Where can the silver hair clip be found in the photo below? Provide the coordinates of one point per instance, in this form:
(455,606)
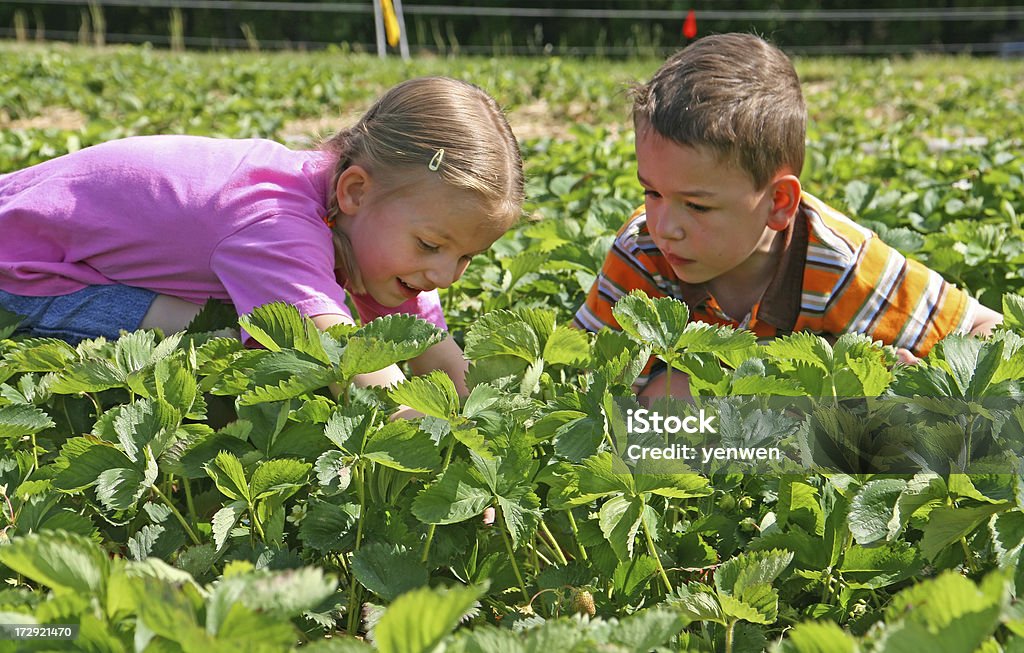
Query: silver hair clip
(435,162)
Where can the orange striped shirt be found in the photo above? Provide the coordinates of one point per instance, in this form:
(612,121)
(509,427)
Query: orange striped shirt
(834,277)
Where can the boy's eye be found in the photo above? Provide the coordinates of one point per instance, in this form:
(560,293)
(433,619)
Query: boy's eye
(698,208)
(430,247)
(650,193)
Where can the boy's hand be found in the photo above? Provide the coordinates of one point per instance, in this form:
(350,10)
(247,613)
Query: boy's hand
(906,357)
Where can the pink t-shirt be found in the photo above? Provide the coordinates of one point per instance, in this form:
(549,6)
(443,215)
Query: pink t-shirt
(187,216)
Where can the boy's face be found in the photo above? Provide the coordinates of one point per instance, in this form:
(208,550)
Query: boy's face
(416,240)
(706,217)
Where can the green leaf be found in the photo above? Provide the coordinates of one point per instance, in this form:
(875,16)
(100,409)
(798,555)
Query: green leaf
(751,568)
(145,422)
(417,621)
(387,340)
(520,509)
(433,394)
(278,326)
(502,333)
(17,420)
(83,459)
(633,574)
(947,524)
(66,563)
(42,355)
(757,604)
(400,445)
(278,477)
(120,489)
(873,507)
(567,346)
(456,497)
(1013,311)
(802,347)
(696,602)
(647,629)
(276,595)
(229,476)
(818,637)
(658,322)
(880,566)
(88,376)
(619,519)
(224,520)
(388,570)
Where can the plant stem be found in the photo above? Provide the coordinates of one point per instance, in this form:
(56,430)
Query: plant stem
(188,500)
(576,535)
(353,589)
(503,529)
(433,527)
(729,635)
(177,515)
(555,547)
(654,552)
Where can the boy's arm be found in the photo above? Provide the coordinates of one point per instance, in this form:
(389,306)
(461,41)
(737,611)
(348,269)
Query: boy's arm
(985,321)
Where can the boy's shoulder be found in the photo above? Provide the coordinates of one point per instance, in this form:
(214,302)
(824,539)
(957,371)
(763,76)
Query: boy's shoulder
(830,233)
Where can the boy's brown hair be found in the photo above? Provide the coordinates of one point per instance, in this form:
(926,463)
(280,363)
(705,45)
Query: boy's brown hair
(735,94)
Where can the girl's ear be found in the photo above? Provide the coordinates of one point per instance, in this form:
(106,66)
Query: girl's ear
(353,184)
(785,191)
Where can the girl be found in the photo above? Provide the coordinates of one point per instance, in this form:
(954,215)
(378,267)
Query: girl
(139,232)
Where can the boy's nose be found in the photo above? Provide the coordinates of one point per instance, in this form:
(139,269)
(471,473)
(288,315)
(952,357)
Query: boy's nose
(667,226)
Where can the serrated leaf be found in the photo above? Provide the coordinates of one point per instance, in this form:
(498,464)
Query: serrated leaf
(619,518)
(388,570)
(757,604)
(455,497)
(659,322)
(751,568)
(66,563)
(646,630)
(502,333)
(224,520)
(82,460)
(327,527)
(120,488)
(229,476)
(400,445)
(697,605)
(872,509)
(802,347)
(947,524)
(407,628)
(432,394)
(567,346)
(42,355)
(88,376)
(145,422)
(18,420)
(387,340)
(277,476)
(818,637)
(632,575)
(279,326)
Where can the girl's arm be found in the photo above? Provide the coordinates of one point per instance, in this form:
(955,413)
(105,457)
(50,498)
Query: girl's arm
(445,356)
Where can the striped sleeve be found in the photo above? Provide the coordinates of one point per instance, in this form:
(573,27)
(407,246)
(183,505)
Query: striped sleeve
(627,267)
(898,301)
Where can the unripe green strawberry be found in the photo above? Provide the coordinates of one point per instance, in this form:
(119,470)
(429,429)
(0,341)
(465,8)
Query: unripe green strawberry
(581,601)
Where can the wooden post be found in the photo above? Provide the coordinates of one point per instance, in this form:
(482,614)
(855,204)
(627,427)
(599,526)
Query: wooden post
(378,21)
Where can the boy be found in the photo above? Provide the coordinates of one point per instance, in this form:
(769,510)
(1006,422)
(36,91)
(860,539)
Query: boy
(727,228)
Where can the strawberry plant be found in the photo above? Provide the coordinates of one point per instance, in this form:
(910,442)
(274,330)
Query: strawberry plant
(182,492)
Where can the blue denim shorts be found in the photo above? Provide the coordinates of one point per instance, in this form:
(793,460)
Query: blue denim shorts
(88,313)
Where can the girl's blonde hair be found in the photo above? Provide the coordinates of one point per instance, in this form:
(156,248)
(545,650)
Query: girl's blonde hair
(406,130)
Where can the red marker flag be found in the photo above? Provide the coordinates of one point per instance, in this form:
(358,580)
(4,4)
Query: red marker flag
(690,25)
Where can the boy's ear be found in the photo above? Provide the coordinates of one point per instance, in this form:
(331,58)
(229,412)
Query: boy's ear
(785,191)
(353,184)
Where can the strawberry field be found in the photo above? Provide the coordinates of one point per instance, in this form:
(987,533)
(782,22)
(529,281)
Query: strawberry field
(179,492)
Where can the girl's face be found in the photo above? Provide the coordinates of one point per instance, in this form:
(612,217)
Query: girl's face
(414,240)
